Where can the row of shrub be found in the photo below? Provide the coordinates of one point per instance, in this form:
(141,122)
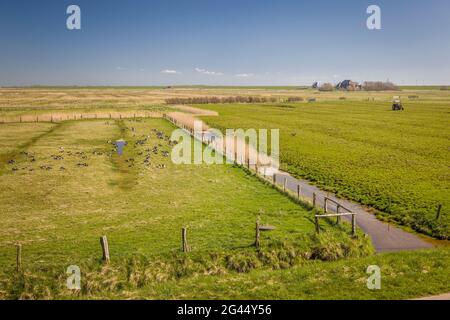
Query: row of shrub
(237,99)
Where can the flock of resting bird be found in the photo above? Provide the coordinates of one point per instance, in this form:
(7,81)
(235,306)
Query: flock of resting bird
(24,161)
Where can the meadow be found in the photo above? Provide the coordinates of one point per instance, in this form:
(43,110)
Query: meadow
(394,162)
(63,186)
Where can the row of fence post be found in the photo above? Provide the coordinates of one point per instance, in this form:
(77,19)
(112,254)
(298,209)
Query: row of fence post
(274,182)
(284,186)
(314,201)
(106,256)
(53,118)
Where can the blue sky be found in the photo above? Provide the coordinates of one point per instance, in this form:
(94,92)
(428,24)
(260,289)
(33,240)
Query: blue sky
(223,42)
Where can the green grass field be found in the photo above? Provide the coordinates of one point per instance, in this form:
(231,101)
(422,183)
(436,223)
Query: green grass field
(63,186)
(66,186)
(134,203)
(396,162)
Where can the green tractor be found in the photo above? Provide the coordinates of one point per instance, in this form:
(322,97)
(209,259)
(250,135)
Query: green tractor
(397,104)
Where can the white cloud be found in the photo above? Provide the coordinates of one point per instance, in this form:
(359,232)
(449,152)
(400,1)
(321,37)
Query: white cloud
(120,68)
(244,75)
(207,72)
(168,71)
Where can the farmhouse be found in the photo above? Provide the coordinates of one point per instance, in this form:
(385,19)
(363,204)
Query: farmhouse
(348,85)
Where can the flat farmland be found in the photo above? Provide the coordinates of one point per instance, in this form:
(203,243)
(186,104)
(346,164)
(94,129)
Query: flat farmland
(63,186)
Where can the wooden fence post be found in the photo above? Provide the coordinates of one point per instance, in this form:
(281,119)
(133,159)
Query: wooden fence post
(299,191)
(353,224)
(184,239)
(438,213)
(105,248)
(316,220)
(325,204)
(338,218)
(248,163)
(274,178)
(257,235)
(314,199)
(285,184)
(18,257)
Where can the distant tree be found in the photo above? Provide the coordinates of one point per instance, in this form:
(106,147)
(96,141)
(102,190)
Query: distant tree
(379,86)
(326,87)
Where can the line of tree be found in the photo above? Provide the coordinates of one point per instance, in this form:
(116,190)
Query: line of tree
(349,85)
(379,86)
(237,99)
